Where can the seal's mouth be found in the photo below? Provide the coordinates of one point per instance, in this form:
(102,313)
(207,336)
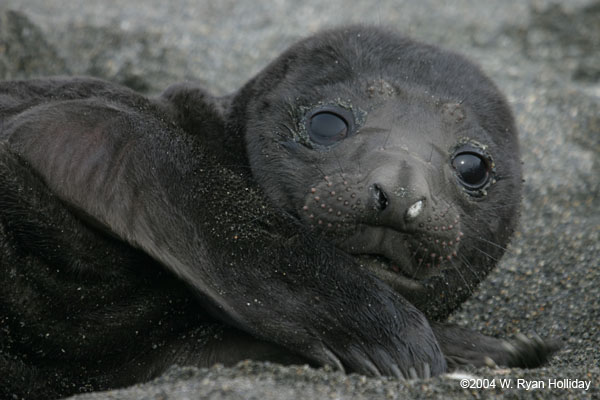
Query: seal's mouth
(379,261)
(390,272)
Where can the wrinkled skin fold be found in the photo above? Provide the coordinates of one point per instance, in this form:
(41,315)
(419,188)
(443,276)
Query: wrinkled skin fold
(136,233)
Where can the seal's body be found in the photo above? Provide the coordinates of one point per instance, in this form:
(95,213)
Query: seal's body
(359,186)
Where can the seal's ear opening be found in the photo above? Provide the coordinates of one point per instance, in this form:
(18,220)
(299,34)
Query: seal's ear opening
(192,102)
(205,117)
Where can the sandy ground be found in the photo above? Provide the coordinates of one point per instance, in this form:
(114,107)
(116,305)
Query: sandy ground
(543,54)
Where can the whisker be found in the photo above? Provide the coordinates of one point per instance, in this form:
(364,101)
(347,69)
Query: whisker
(483,252)
(467,263)
(337,160)
(457,269)
(420,263)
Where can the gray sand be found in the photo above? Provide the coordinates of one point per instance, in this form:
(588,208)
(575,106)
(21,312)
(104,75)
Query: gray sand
(545,55)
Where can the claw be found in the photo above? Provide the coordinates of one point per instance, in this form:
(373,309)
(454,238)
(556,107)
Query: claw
(489,362)
(538,340)
(413,373)
(522,338)
(333,360)
(426,371)
(372,368)
(510,347)
(397,373)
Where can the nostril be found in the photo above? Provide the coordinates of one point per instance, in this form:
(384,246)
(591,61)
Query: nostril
(415,210)
(381,200)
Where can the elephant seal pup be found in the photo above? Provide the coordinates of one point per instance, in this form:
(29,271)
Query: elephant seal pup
(359,187)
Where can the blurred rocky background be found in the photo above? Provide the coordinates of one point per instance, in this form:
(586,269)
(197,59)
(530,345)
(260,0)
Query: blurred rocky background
(545,56)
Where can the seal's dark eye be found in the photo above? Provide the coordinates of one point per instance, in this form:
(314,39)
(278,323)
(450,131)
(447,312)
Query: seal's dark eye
(472,170)
(327,128)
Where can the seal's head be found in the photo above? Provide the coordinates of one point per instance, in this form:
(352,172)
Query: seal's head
(402,154)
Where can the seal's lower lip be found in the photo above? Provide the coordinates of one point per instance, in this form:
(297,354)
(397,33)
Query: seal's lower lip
(380,261)
(390,273)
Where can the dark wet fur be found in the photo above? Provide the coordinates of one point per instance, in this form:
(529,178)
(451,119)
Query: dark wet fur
(135,235)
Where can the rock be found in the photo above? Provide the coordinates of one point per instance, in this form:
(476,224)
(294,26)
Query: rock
(24,51)
(136,59)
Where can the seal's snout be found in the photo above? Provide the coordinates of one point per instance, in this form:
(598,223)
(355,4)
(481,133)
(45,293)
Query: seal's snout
(390,213)
(397,198)
(380,199)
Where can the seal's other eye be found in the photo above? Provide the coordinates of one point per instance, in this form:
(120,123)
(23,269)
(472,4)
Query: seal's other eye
(472,170)
(327,127)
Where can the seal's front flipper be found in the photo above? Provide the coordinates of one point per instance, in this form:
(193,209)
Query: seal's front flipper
(462,346)
(42,227)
